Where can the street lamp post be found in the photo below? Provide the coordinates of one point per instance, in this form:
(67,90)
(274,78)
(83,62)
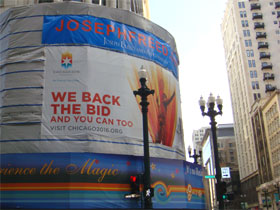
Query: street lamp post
(144,92)
(265,191)
(194,156)
(212,113)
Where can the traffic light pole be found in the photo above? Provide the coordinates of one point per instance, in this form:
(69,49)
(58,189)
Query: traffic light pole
(212,113)
(219,195)
(144,92)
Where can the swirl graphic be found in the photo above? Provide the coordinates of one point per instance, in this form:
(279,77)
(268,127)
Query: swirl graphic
(161,193)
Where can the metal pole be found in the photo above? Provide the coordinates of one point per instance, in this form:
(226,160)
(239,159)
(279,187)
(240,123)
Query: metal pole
(266,203)
(213,124)
(147,184)
(144,92)
(212,113)
(195,156)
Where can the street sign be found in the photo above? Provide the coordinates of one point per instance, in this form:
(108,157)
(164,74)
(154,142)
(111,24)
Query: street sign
(209,177)
(225,172)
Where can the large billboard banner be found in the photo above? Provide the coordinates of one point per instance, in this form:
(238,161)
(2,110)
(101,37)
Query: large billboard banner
(88,89)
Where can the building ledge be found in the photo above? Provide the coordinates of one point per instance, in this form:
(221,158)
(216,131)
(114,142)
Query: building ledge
(268,185)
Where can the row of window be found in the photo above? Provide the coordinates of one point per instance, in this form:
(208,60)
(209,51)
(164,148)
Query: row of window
(102,2)
(273,110)
(242,4)
(243,14)
(221,145)
(275,141)
(250,53)
(273,126)
(276,156)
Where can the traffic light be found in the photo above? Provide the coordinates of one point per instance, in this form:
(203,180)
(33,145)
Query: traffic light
(223,188)
(135,184)
(225,196)
(135,181)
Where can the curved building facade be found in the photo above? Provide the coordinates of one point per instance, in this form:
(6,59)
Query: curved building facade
(71,128)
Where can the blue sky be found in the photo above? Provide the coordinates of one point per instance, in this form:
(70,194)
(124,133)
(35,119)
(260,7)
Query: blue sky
(195,25)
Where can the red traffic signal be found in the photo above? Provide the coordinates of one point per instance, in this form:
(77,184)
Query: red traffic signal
(133,179)
(135,184)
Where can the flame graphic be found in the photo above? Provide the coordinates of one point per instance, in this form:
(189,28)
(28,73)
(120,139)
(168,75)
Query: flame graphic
(162,114)
(66,60)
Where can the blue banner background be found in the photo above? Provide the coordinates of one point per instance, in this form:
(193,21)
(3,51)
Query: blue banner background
(110,35)
(74,180)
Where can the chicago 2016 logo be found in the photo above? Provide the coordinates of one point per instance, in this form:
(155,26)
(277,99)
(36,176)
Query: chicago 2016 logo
(66,60)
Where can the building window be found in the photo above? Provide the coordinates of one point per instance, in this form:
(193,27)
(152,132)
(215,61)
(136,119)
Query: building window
(244,23)
(271,3)
(251,63)
(255,85)
(256,96)
(248,43)
(243,14)
(275,22)
(253,74)
(241,4)
(250,53)
(45,1)
(246,33)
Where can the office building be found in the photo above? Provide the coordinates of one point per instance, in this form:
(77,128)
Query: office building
(197,137)
(227,159)
(265,120)
(251,38)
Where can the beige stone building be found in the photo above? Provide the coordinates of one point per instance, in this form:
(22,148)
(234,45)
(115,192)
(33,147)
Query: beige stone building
(227,158)
(266,125)
(197,137)
(251,36)
(138,6)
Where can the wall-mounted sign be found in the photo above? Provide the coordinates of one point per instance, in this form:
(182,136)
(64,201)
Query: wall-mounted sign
(225,172)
